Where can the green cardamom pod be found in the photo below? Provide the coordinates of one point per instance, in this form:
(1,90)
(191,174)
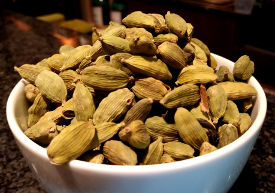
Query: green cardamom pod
(176,24)
(178,150)
(243,68)
(154,153)
(227,134)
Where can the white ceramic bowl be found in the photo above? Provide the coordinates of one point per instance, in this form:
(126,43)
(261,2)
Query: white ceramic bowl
(214,172)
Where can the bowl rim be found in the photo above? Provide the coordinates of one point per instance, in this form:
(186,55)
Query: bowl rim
(140,169)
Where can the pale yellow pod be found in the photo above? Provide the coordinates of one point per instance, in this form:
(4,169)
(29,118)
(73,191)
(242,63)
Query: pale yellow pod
(196,74)
(139,19)
(52,86)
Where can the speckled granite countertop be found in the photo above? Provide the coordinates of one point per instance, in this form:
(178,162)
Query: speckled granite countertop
(26,40)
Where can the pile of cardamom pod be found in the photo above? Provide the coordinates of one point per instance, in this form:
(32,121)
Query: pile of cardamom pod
(146,92)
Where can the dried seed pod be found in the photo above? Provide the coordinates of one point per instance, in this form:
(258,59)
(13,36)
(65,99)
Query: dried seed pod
(112,107)
(83,103)
(203,46)
(52,86)
(245,122)
(148,65)
(196,74)
(105,78)
(224,74)
(176,24)
(217,102)
(170,37)
(178,150)
(74,57)
(30,72)
(39,107)
(172,55)
(199,114)
(243,68)
(73,141)
(136,31)
(165,158)
(206,148)
(96,51)
(184,95)
(61,114)
(118,153)
(143,45)
(189,51)
(247,104)
(154,153)
(160,24)
(150,88)
(43,132)
(93,157)
(107,130)
(189,129)
(227,134)
(55,62)
(116,62)
(189,31)
(238,90)
(135,134)
(95,35)
(231,114)
(43,63)
(65,48)
(70,77)
(102,60)
(200,56)
(139,19)
(31,92)
(139,111)
(114,29)
(113,44)
(213,62)
(158,127)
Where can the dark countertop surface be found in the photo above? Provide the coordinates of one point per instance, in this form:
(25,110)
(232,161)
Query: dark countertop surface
(24,39)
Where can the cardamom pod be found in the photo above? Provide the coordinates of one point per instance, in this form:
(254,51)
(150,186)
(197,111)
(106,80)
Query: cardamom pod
(43,132)
(29,72)
(55,62)
(184,95)
(70,77)
(217,102)
(52,86)
(148,65)
(65,48)
(189,129)
(224,74)
(202,45)
(83,103)
(238,90)
(39,107)
(105,78)
(206,148)
(231,114)
(176,24)
(143,45)
(72,141)
(93,157)
(172,55)
(245,122)
(158,127)
(139,111)
(150,88)
(107,130)
(31,92)
(139,19)
(135,134)
(169,37)
(227,134)
(113,44)
(165,158)
(196,74)
(118,153)
(154,153)
(243,68)
(178,150)
(112,107)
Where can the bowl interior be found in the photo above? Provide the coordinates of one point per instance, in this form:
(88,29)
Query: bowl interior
(17,114)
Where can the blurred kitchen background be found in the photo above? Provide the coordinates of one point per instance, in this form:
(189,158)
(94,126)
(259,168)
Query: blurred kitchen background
(230,28)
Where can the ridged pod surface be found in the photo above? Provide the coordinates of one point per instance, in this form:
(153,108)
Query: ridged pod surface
(176,24)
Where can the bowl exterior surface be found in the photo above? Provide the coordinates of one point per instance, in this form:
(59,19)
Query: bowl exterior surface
(215,172)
